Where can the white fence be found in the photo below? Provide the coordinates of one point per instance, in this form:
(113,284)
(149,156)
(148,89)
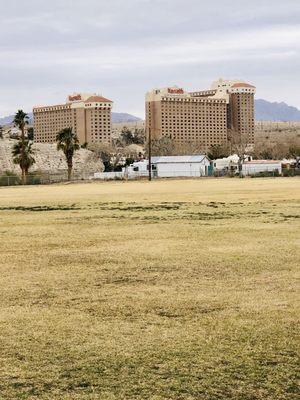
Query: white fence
(108,176)
(260,169)
(35,179)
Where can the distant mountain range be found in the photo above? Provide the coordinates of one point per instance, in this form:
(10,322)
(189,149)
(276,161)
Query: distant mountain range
(116,118)
(267,111)
(264,111)
(123,117)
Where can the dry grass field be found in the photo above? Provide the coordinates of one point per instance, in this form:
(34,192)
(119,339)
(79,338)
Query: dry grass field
(165,291)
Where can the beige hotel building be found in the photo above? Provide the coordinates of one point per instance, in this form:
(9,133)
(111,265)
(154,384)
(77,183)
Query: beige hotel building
(88,114)
(202,117)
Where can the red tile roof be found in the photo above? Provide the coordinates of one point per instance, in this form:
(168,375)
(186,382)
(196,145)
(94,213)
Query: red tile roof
(97,99)
(241,84)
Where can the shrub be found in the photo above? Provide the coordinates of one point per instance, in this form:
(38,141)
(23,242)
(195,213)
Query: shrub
(33,179)
(266,174)
(291,172)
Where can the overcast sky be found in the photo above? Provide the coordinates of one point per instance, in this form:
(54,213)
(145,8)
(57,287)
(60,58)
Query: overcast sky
(122,48)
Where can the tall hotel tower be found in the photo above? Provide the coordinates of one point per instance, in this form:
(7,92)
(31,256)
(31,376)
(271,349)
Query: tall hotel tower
(88,114)
(203,117)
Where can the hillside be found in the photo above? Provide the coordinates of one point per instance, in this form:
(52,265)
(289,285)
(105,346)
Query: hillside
(8,119)
(116,118)
(267,111)
(123,117)
(49,160)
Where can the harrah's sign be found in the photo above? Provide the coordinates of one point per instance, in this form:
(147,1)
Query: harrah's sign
(75,98)
(175,91)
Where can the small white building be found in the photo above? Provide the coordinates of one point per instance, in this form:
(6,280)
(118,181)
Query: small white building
(177,166)
(171,166)
(256,166)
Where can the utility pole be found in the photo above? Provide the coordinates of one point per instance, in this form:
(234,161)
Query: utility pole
(149,153)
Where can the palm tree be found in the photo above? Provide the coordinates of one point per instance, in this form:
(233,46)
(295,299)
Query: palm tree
(68,142)
(30,133)
(20,149)
(22,155)
(21,119)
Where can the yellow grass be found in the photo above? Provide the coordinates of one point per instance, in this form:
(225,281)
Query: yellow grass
(166,290)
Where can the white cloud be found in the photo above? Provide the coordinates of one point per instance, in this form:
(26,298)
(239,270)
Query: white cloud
(276,42)
(123,47)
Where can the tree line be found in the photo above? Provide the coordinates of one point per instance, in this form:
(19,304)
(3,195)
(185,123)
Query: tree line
(23,153)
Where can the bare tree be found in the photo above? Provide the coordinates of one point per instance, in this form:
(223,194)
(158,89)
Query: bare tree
(188,148)
(277,146)
(218,151)
(112,157)
(163,146)
(239,144)
(129,136)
